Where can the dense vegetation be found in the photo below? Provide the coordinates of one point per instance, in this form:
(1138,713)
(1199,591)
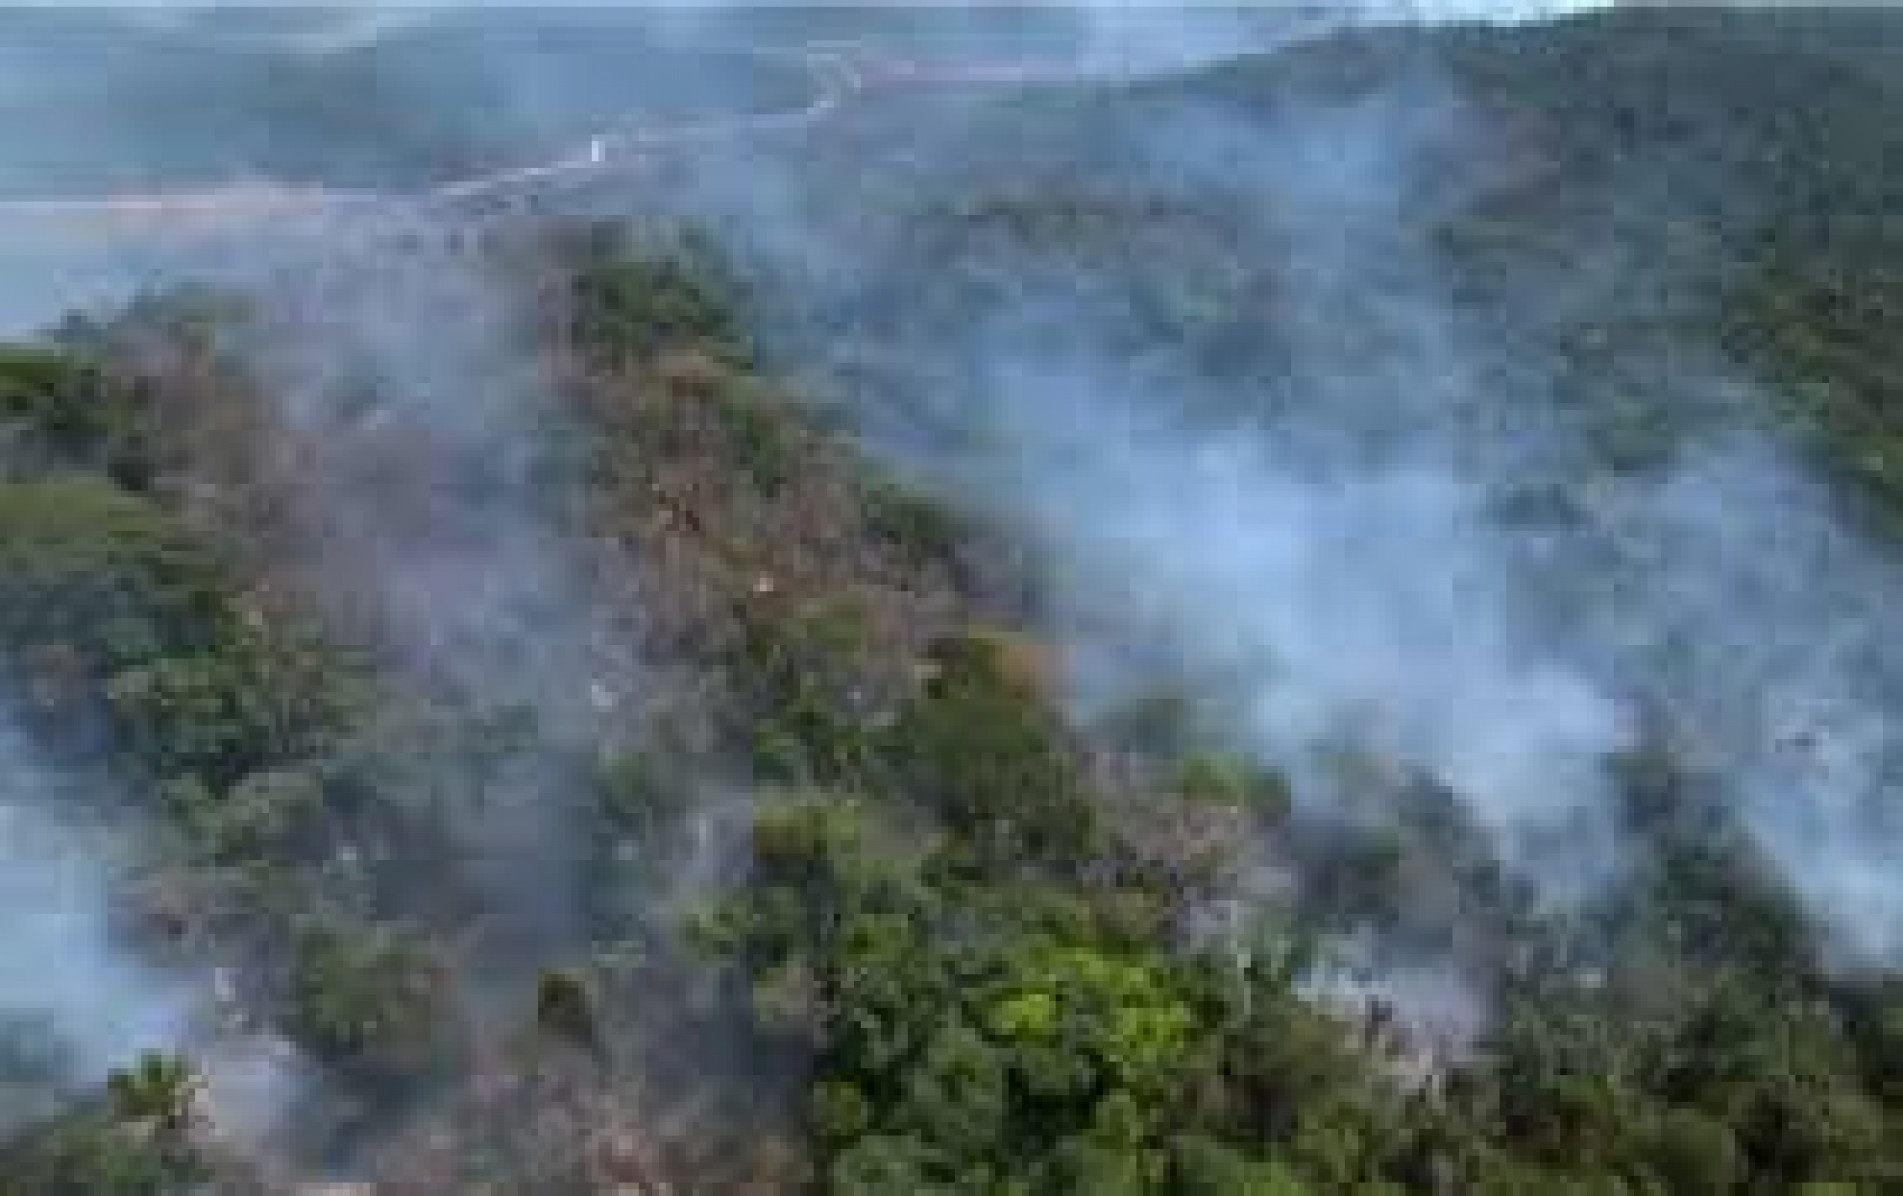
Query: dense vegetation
(863,908)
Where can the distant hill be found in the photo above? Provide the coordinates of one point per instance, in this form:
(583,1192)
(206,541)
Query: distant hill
(93,103)
(600,696)
(1730,178)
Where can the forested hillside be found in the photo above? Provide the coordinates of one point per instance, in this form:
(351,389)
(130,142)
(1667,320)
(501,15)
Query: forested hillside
(1319,625)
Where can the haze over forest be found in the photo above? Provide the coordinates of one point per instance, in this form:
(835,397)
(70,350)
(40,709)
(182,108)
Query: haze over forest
(969,600)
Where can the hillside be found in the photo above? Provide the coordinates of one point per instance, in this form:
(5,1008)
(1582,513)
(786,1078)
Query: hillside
(1321,624)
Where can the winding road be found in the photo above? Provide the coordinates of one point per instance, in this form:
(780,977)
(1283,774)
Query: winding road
(841,72)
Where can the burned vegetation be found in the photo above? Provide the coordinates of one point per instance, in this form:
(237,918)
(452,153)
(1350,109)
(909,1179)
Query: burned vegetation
(720,789)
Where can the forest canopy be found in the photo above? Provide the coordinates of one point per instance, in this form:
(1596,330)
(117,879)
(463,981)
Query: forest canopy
(616,704)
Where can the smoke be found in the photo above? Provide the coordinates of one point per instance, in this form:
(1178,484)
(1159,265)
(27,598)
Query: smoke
(423,448)
(1345,532)
(68,984)
(1765,629)
(1334,537)
(78,998)
(1373,609)
(1342,556)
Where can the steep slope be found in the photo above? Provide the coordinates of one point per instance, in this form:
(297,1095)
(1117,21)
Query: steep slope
(1266,631)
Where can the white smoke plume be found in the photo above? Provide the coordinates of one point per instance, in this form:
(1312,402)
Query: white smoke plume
(1349,561)
(1340,537)
(69,985)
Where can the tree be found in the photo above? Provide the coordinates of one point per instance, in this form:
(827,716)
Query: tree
(366,1000)
(956,1095)
(1202,1166)
(884,1165)
(1693,1153)
(564,1008)
(158,1088)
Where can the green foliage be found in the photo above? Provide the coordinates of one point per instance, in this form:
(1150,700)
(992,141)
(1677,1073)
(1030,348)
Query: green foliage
(1235,782)
(636,799)
(1118,1012)
(88,1154)
(267,815)
(158,1088)
(888,1166)
(944,926)
(993,758)
(209,714)
(801,673)
(565,1008)
(630,300)
(366,1000)
(840,1111)
(1694,1153)
(1200,1166)
(758,437)
(974,1034)
(956,1094)
(59,408)
(924,528)
(87,566)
